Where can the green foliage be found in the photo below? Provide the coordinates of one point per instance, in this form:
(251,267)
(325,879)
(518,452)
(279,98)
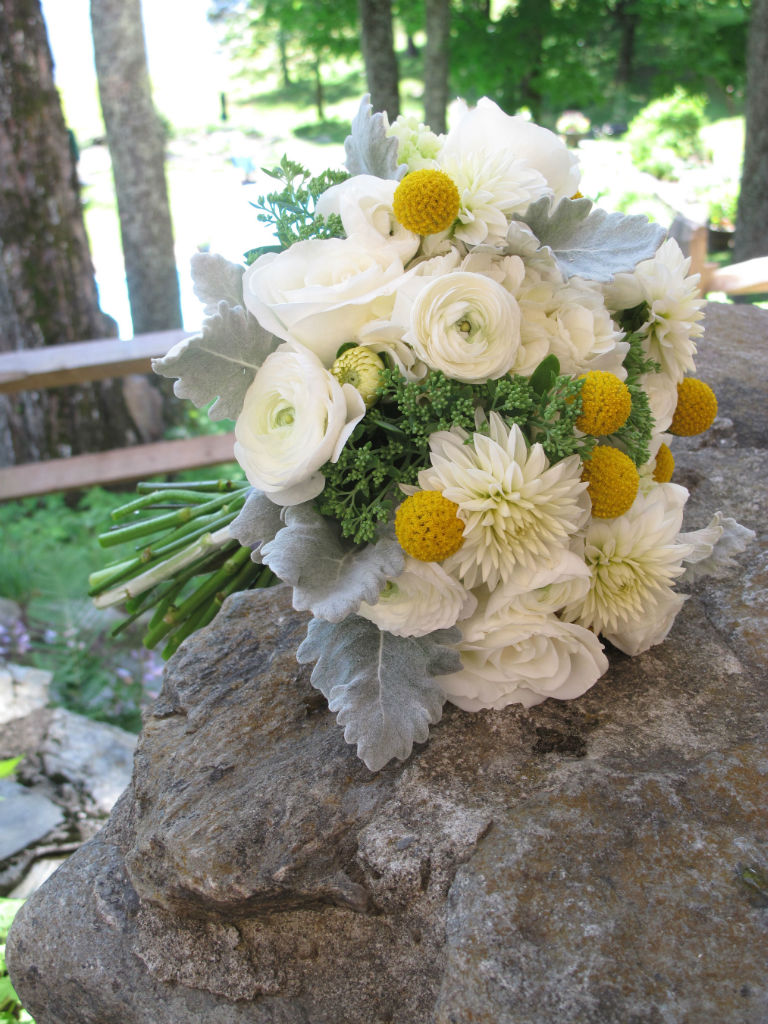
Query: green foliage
(391,444)
(666,133)
(291,211)
(11,1010)
(54,546)
(8,767)
(635,435)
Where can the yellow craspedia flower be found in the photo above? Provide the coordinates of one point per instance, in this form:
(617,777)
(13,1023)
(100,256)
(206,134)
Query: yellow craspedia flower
(665,465)
(613,481)
(577,195)
(360,367)
(696,408)
(427,526)
(426,202)
(605,403)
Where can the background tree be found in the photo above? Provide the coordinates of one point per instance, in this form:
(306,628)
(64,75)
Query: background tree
(307,36)
(137,148)
(437,21)
(378,48)
(752,217)
(47,290)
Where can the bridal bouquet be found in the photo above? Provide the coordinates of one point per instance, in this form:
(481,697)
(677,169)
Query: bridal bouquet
(454,382)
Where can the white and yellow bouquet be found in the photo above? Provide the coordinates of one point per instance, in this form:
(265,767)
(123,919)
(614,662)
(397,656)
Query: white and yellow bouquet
(453,381)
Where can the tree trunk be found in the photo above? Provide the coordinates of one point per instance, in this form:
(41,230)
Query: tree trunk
(137,148)
(378,48)
(625,17)
(47,291)
(752,218)
(319,92)
(282,47)
(436,62)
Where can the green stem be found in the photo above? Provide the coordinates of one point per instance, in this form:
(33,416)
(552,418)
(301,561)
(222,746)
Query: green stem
(143,529)
(181,497)
(147,486)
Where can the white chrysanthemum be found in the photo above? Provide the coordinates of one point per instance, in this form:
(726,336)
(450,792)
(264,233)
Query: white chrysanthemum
(517,509)
(674,307)
(635,559)
(715,546)
(421,599)
(511,655)
(492,186)
(568,320)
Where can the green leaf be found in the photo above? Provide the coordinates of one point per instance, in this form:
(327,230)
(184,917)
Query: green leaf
(9,908)
(8,767)
(588,242)
(330,577)
(545,374)
(220,363)
(380,686)
(369,149)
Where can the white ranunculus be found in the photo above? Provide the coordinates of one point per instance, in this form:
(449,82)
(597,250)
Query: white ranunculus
(321,292)
(511,655)
(544,589)
(466,325)
(568,320)
(421,599)
(500,165)
(364,204)
(295,418)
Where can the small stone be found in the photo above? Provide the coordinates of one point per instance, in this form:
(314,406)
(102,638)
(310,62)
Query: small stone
(26,817)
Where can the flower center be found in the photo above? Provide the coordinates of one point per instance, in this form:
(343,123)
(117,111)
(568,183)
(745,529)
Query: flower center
(285,416)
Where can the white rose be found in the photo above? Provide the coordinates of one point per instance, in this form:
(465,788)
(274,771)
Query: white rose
(323,291)
(421,599)
(466,325)
(295,418)
(364,204)
(516,656)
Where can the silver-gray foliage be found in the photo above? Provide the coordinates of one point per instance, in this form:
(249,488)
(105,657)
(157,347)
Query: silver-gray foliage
(257,523)
(330,577)
(588,242)
(216,278)
(380,686)
(220,363)
(369,149)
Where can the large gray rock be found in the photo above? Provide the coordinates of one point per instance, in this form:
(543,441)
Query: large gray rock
(601,860)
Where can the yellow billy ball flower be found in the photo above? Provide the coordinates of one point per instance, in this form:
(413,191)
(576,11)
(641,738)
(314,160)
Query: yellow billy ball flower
(360,367)
(665,465)
(696,408)
(605,403)
(426,202)
(613,481)
(427,526)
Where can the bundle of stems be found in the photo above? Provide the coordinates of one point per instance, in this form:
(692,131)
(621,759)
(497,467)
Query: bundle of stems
(184,561)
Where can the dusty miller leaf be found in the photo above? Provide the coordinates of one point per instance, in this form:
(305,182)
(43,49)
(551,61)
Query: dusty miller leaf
(220,363)
(329,576)
(588,242)
(257,523)
(380,685)
(216,279)
(369,149)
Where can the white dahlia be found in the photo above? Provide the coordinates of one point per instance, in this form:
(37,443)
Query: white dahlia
(517,509)
(674,307)
(635,559)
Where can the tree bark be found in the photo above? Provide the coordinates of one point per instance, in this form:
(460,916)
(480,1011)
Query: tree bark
(378,47)
(436,62)
(137,148)
(752,217)
(47,290)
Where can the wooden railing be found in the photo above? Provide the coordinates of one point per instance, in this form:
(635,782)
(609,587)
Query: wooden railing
(59,365)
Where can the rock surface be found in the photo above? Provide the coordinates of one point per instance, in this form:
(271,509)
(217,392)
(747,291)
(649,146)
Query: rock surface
(601,860)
